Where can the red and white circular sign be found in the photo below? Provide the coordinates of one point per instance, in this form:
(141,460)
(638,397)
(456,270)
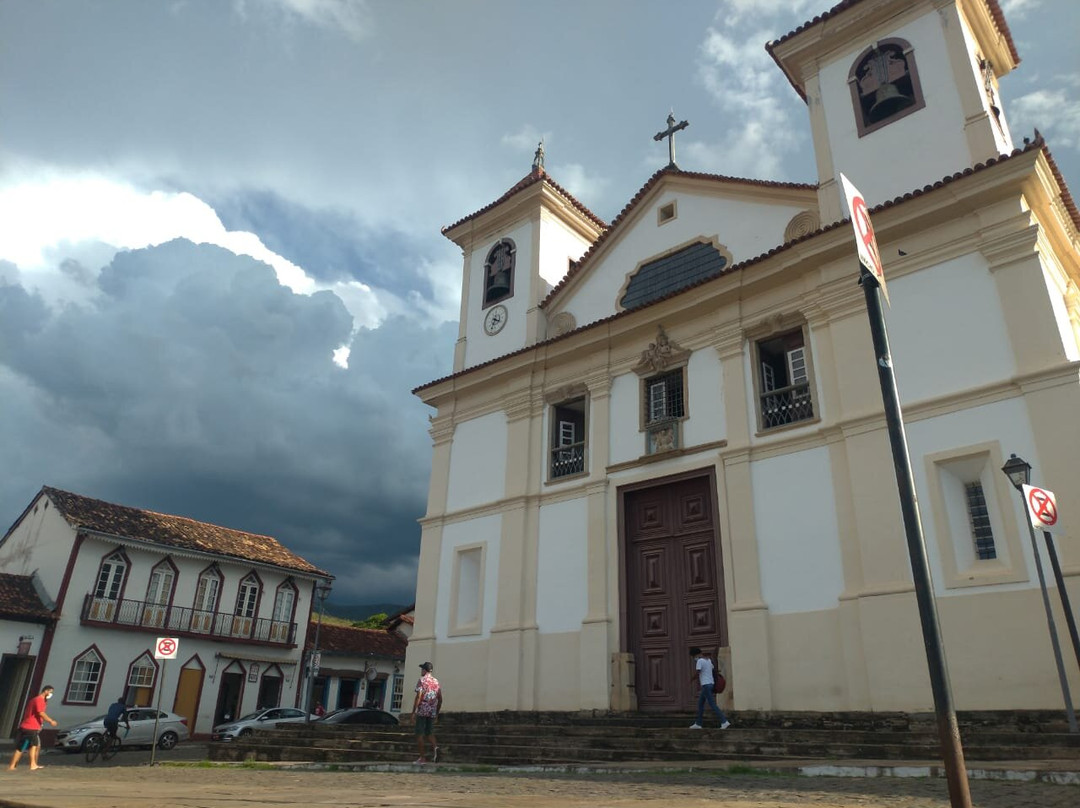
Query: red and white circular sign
(1042,506)
(166,648)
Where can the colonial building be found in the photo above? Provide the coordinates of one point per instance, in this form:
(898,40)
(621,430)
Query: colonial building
(668,430)
(359,667)
(121,577)
(25,615)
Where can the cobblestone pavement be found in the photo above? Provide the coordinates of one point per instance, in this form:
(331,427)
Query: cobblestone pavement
(198,787)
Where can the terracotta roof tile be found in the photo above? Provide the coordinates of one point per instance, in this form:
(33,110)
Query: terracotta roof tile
(533,177)
(174,531)
(576,267)
(993,5)
(1035,144)
(19,600)
(346,640)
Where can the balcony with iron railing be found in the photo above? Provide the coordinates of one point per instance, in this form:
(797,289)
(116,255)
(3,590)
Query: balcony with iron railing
(568,459)
(141,615)
(786,405)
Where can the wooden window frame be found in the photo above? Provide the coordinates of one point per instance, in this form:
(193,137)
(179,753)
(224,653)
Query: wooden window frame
(780,329)
(129,686)
(97,682)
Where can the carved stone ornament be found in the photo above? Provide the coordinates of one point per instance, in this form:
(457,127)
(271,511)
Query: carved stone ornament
(562,323)
(660,355)
(802,224)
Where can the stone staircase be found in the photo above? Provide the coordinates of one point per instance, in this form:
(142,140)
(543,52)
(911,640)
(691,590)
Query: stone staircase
(511,738)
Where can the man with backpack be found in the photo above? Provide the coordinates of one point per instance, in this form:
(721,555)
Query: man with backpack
(703,672)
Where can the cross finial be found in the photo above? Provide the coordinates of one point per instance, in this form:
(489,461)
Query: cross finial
(669,133)
(538,158)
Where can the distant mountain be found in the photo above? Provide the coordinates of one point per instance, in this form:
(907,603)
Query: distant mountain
(361,611)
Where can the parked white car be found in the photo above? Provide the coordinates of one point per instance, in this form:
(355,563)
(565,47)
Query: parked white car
(260,719)
(171,729)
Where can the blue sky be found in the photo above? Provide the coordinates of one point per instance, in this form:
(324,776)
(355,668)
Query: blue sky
(205,203)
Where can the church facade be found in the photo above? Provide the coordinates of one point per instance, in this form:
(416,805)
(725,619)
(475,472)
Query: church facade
(668,431)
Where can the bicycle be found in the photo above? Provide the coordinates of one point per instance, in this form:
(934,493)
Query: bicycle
(106,746)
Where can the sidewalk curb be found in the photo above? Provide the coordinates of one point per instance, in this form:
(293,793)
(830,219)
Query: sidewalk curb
(927,770)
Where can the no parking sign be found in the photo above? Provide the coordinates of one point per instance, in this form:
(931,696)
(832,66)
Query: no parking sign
(166,648)
(1042,507)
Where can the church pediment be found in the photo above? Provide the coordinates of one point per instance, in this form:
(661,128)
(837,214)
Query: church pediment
(690,227)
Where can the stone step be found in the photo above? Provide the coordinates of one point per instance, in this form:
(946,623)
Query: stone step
(524,738)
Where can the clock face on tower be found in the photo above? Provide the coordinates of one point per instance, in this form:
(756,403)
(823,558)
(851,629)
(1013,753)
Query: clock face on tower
(494,320)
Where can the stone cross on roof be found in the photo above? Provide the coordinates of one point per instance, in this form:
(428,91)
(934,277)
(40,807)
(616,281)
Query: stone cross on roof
(669,133)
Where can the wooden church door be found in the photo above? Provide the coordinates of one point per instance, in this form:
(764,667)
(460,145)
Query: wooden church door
(674,588)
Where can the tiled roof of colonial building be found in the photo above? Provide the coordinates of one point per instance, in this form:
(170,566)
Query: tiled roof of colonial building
(992,5)
(350,641)
(174,531)
(533,177)
(1037,144)
(19,599)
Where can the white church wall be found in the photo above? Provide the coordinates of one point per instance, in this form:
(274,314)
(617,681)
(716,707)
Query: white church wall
(745,228)
(799,549)
(559,245)
(947,330)
(562,569)
(479,346)
(1002,136)
(1055,288)
(474,588)
(477,462)
(705,399)
(625,440)
(934,133)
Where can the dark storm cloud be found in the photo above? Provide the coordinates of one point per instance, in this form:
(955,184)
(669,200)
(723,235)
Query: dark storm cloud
(196,384)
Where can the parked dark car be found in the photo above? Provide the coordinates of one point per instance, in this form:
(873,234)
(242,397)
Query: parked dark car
(360,715)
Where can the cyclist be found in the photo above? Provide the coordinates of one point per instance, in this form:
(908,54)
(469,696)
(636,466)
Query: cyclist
(117,713)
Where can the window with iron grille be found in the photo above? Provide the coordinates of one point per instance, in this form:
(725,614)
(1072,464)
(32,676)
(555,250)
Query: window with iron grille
(979,517)
(568,438)
(784,380)
(85,678)
(664,397)
(397,693)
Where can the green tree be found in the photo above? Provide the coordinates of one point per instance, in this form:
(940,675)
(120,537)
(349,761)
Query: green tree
(374,621)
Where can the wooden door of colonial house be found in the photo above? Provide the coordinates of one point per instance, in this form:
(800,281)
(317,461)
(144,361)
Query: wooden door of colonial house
(674,587)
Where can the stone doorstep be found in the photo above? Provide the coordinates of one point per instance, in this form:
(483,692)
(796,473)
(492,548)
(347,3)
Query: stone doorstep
(1018,771)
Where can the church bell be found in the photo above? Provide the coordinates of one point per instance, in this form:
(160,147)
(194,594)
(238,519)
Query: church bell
(888,100)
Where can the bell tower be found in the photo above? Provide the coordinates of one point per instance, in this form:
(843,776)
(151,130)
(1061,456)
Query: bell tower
(901,93)
(515,250)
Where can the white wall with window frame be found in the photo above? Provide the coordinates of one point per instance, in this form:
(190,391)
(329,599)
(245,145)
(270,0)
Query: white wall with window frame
(978,537)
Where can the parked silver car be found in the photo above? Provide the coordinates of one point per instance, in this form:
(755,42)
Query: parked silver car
(171,729)
(260,719)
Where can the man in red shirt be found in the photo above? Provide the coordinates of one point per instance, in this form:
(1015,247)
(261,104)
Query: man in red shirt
(28,737)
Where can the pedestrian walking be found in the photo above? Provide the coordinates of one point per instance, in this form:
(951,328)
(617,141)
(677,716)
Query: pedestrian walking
(29,729)
(426,708)
(703,672)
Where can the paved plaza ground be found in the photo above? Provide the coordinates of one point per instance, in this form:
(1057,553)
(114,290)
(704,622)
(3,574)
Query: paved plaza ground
(132,784)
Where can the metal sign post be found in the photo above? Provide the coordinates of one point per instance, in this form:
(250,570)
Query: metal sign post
(165,649)
(1040,507)
(871,278)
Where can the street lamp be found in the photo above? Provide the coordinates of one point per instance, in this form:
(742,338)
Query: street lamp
(322,592)
(1018,471)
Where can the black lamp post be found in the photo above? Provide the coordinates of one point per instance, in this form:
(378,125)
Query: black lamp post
(322,592)
(1018,471)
